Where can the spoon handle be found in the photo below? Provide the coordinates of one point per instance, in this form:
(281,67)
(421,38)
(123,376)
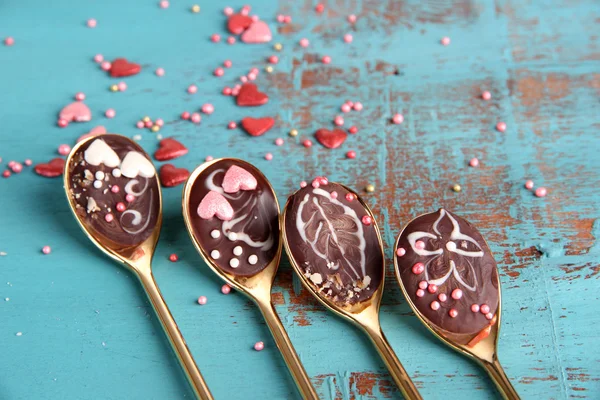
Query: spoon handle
(494,369)
(405,384)
(175,338)
(287,350)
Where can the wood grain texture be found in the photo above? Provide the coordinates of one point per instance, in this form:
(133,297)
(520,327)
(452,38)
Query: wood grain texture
(89,332)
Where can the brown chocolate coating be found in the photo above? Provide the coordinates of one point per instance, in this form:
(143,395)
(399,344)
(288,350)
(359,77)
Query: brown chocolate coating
(93,204)
(257,231)
(454,256)
(327,239)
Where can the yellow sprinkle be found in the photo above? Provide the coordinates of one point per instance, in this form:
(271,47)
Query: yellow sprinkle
(114,88)
(195,8)
(278,46)
(269,69)
(370,188)
(293,133)
(146,119)
(456,188)
(155,128)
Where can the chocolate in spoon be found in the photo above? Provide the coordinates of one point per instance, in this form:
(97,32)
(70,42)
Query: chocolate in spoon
(232,215)
(335,247)
(114,192)
(448,274)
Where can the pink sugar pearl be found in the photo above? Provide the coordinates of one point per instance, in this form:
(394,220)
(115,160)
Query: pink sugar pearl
(351,18)
(357,106)
(98,58)
(227,63)
(435,305)
(28,162)
(304,42)
(418,268)
(251,76)
(62,123)
(232,125)
(226,91)
(196,118)
(110,113)
(258,346)
(164,4)
(420,293)
(484,309)
(307,143)
(303,184)
(6,174)
(231,40)
(215,37)
(109,217)
(64,149)
(243,79)
(279,142)
(486,95)
(280,18)
(398,119)
(185,115)
(432,288)
(350,197)
(457,294)
(273,59)
(339,121)
(445,41)
(541,192)
(453,313)
(442,297)
(501,126)
(400,252)
(91,23)
(202,300)
(489,316)
(115,189)
(225,289)
(219,71)
(228,11)
(160,72)
(148,124)
(208,158)
(326,60)
(9,41)
(79,96)
(17,167)
(46,249)
(122,86)
(351,154)
(319,8)
(419,244)
(475,308)
(367,220)
(192,89)
(345,108)
(348,38)
(130,198)
(529,185)
(120,206)
(160,122)
(208,108)
(474,162)
(105,65)
(254,70)
(268,156)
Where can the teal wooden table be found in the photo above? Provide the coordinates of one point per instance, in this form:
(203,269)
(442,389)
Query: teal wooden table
(86,328)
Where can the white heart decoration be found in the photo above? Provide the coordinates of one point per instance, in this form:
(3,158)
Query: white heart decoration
(101,153)
(135,164)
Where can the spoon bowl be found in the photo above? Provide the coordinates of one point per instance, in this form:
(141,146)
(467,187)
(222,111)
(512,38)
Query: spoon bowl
(114,193)
(232,215)
(336,249)
(448,275)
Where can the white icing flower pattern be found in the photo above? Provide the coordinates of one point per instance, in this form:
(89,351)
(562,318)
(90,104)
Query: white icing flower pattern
(457,243)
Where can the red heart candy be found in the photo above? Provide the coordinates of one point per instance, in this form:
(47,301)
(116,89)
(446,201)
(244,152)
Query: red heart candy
(169,149)
(331,139)
(122,67)
(51,169)
(249,96)
(171,176)
(257,126)
(238,23)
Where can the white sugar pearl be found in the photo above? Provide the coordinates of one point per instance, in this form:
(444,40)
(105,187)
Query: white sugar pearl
(232,236)
(253,259)
(234,263)
(116,173)
(97,184)
(451,246)
(99,175)
(215,234)
(215,254)
(237,250)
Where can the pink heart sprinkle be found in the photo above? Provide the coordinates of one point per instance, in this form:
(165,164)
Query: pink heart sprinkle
(99,130)
(77,112)
(258,32)
(215,204)
(237,178)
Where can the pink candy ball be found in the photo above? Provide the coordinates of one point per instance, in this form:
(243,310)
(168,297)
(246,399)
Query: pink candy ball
(202,300)
(219,72)
(345,108)
(98,58)
(105,65)
(474,162)
(164,4)
(486,95)
(326,60)
(208,108)
(64,149)
(357,106)
(541,192)
(445,41)
(79,96)
(192,89)
(398,119)
(279,142)
(215,37)
(351,154)
(501,126)
(348,38)
(109,217)
(227,63)
(268,156)
(225,289)
(159,72)
(339,121)
(351,18)
(228,11)
(196,118)
(258,346)
(529,185)
(304,42)
(140,124)
(122,86)
(92,23)
(159,122)
(9,41)
(46,249)
(273,59)
(110,113)
(130,198)
(232,125)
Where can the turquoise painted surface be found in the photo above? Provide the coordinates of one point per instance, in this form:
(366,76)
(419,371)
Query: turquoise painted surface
(88,331)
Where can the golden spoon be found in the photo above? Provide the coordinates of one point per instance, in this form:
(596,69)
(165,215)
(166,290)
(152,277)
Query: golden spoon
(232,215)
(114,192)
(335,247)
(449,277)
